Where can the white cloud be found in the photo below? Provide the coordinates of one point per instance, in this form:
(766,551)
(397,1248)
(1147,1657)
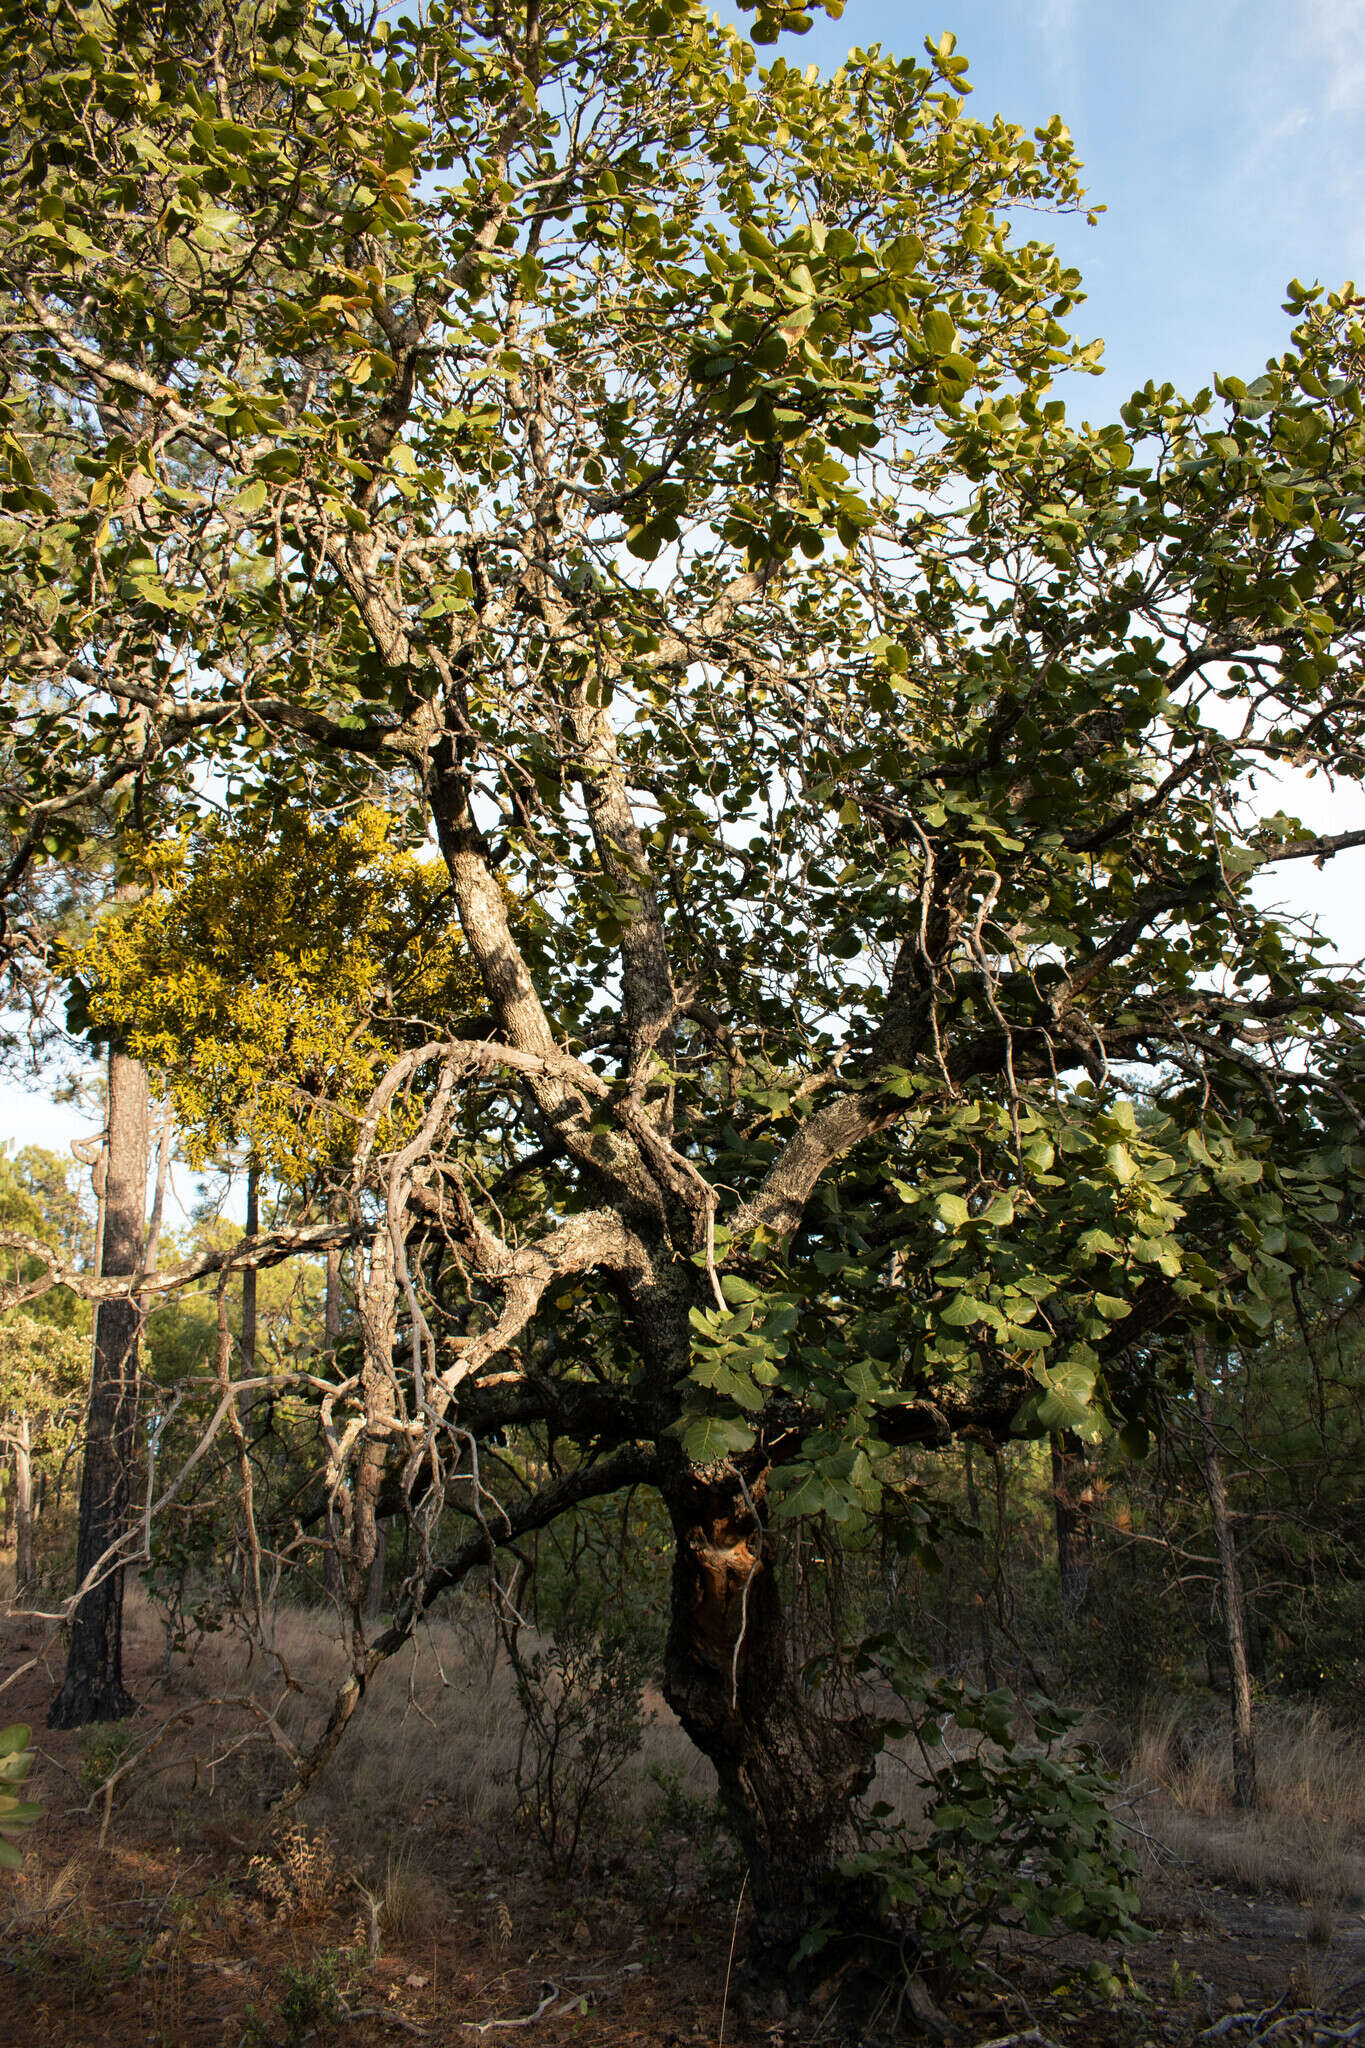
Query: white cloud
(1290,95)
(1330,36)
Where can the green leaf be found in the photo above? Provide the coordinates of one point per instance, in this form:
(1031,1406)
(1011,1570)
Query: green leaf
(737,1290)
(711,1437)
(939,331)
(643,542)
(1121,1164)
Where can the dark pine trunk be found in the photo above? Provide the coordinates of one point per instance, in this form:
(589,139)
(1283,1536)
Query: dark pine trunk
(93,1688)
(788,1771)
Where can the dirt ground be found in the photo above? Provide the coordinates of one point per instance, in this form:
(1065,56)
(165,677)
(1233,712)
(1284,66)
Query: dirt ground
(162,1934)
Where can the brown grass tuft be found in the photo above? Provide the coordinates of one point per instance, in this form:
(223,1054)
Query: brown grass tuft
(412,1904)
(1305,1835)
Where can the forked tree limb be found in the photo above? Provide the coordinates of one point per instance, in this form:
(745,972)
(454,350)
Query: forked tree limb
(632,1465)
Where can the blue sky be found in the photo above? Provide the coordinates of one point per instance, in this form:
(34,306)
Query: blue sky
(1226,140)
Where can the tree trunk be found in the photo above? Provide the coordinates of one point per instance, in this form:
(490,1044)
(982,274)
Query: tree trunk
(1234,1622)
(983,1620)
(1072,1501)
(331,1337)
(23,1508)
(788,1771)
(247,1347)
(253,1225)
(331,1312)
(93,1688)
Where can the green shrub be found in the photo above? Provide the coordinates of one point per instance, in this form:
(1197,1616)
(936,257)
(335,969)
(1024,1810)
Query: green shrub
(16,1814)
(1015,1834)
(581,1725)
(310,2005)
(311,1999)
(687,1843)
(103,1748)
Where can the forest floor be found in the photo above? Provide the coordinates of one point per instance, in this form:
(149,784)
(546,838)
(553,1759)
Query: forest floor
(414,1910)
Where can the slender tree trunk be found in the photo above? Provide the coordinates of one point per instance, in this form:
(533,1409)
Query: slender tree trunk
(1074,1522)
(1234,1618)
(788,1771)
(331,1312)
(331,1337)
(983,1620)
(23,1508)
(247,1344)
(93,1688)
(253,1225)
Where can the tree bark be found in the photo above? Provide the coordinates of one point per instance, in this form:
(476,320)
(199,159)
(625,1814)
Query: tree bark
(1074,1522)
(788,1771)
(983,1620)
(93,1688)
(23,1508)
(1234,1616)
(331,1313)
(331,1337)
(374,1580)
(253,1226)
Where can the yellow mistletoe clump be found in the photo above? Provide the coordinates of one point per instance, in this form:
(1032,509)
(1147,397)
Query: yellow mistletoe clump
(44,1369)
(269,972)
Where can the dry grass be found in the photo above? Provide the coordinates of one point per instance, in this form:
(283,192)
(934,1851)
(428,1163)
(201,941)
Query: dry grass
(1306,1834)
(1305,1764)
(434,1741)
(413,1904)
(43,1898)
(435,1744)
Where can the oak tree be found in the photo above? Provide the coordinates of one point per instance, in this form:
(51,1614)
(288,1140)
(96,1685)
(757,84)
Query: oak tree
(637,470)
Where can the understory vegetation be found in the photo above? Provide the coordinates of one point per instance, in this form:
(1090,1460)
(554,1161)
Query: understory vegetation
(523,1741)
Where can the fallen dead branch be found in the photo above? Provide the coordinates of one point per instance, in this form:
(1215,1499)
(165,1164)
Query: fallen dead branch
(385,2013)
(1033,2037)
(1302,2028)
(543,2011)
